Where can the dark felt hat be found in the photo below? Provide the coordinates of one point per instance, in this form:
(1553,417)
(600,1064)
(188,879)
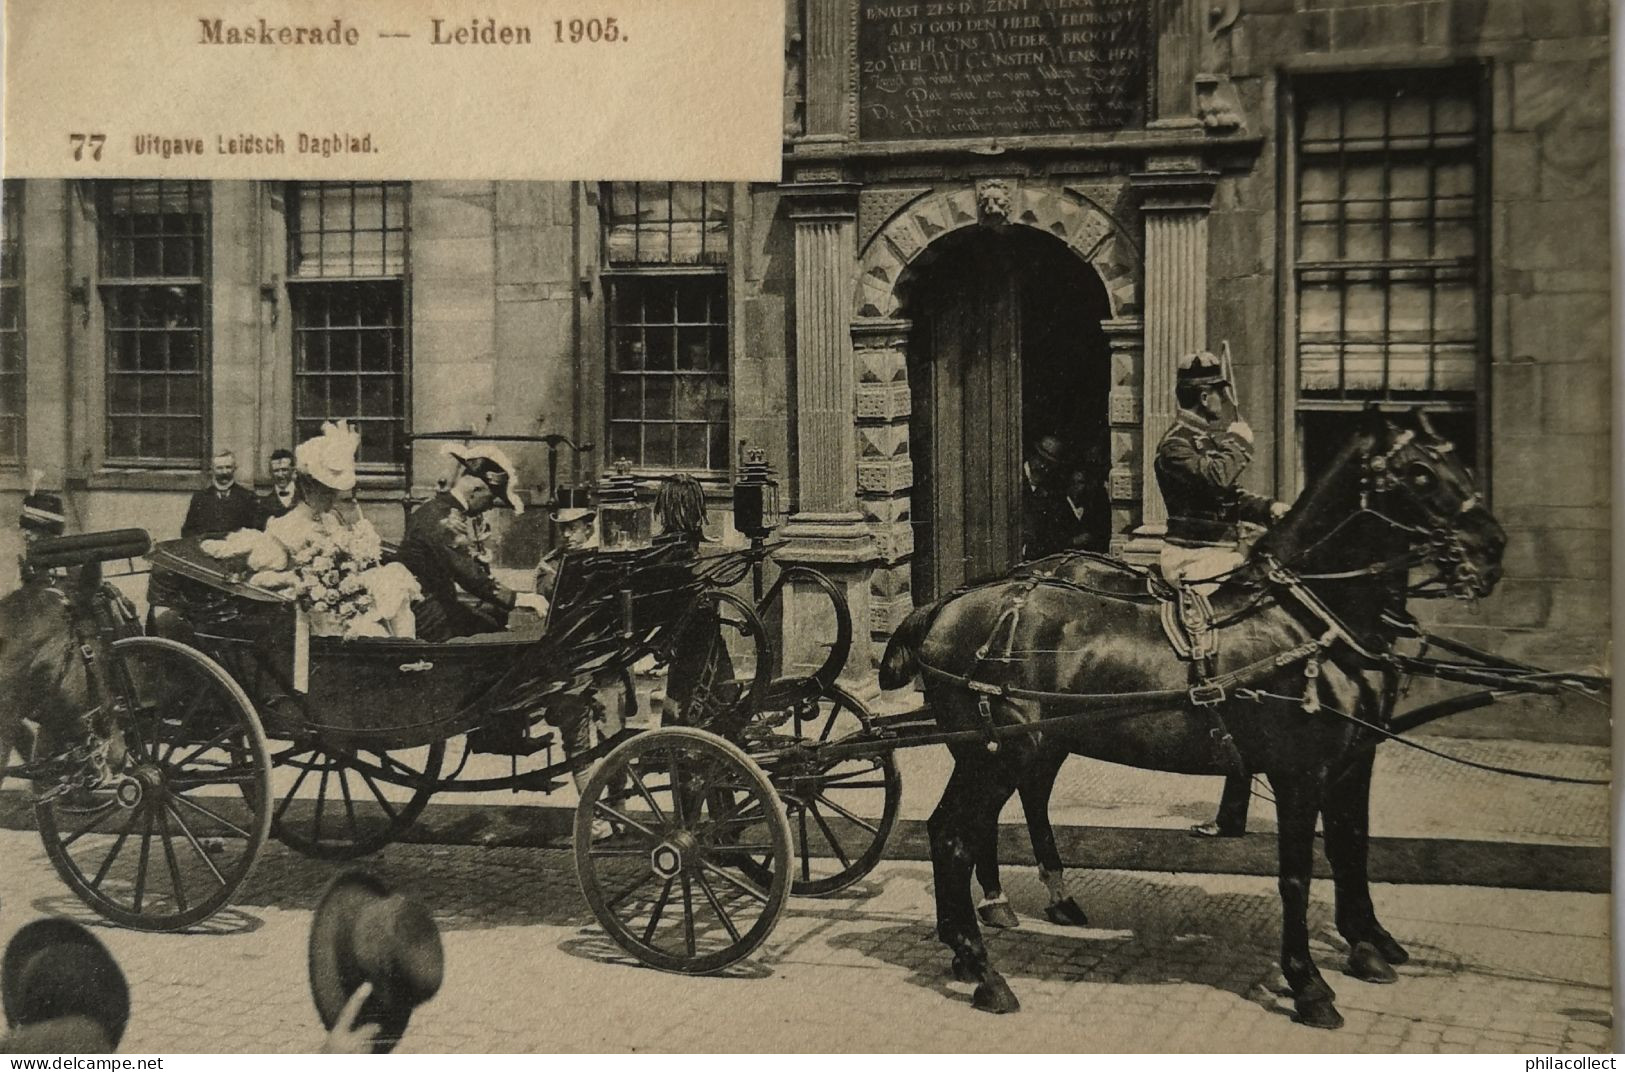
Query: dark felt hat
(1049,448)
(366,933)
(56,970)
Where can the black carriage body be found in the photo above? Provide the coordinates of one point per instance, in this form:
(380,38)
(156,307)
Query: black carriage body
(607,611)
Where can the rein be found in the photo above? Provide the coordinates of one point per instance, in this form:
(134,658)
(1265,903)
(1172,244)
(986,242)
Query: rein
(1259,696)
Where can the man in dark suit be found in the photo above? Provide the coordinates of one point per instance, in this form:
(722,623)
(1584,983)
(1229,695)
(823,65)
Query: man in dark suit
(443,549)
(284,493)
(225,505)
(1048,523)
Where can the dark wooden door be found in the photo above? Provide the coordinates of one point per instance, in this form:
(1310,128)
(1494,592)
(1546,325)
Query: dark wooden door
(966,382)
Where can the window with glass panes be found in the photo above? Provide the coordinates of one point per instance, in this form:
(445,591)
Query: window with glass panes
(13,428)
(666,248)
(153,239)
(1387,255)
(347,281)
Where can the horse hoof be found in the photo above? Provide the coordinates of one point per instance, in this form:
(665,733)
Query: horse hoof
(1319,1012)
(999,914)
(995,995)
(1390,950)
(1366,962)
(1067,912)
(962,973)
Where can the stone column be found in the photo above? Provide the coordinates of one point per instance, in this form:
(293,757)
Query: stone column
(885,469)
(827,531)
(1175,196)
(1125,336)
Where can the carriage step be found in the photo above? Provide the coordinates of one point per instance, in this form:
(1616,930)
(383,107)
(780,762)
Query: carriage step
(491,742)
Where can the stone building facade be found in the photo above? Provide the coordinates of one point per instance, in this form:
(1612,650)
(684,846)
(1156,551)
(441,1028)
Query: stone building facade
(996,220)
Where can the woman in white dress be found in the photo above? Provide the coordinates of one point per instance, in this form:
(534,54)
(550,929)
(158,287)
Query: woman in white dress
(328,560)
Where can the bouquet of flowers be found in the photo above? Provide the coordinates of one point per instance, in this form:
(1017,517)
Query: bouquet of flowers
(328,571)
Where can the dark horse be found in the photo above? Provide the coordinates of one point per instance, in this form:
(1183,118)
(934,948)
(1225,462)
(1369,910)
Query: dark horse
(1301,623)
(46,628)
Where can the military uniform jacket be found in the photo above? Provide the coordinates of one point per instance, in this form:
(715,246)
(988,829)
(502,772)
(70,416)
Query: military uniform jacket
(439,550)
(214,514)
(1197,467)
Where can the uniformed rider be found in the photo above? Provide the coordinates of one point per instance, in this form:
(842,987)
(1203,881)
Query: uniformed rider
(1199,465)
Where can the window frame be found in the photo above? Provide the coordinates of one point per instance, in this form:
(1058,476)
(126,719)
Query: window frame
(1293,404)
(614,274)
(301,286)
(108,285)
(13,197)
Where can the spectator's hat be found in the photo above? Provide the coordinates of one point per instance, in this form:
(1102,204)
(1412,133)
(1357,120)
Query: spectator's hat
(1048,448)
(491,465)
(365,933)
(1200,368)
(62,990)
(572,504)
(42,514)
(329,459)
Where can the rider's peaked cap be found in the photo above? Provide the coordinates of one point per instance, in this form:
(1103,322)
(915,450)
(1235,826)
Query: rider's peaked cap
(491,465)
(1200,369)
(54,971)
(364,932)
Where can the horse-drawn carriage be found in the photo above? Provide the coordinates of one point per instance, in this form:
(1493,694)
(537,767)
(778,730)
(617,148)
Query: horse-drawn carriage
(761,784)
(236,727)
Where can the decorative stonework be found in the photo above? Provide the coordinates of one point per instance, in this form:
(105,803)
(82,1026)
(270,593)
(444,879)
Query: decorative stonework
(877,204)
(1088,230)
(885,470)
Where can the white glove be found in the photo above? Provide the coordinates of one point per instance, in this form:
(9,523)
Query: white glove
(531,600)
(1241,430)
(1278,510)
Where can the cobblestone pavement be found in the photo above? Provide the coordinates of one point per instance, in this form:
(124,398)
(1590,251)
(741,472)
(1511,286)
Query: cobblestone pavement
(1173,962)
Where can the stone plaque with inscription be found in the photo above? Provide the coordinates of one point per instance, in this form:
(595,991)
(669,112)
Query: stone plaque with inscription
(985,68)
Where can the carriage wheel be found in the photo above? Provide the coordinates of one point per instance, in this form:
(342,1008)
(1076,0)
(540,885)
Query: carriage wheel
(173,831)
(671,887)
(841,811)
(740,643)
(332,803)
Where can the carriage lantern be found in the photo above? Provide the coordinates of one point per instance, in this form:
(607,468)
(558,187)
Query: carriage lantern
(624,523)
(756,496)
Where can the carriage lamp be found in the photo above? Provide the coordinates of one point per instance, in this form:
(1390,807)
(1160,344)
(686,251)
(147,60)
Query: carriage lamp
(624,523)
(756,496)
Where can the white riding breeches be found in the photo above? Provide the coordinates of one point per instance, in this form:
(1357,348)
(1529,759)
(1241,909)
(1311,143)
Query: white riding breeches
(1192,565)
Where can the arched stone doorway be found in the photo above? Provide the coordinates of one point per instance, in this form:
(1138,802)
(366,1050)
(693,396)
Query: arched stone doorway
(882,332)
(1006,347)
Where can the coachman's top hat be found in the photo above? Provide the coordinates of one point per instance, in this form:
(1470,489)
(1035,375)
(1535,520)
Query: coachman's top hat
(572,504)
(62,991)
(491,465)
(366,933)
(42,514)
(1200,369)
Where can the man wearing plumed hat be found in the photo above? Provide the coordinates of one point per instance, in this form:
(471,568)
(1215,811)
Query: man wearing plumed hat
(1199,465)
(443,542)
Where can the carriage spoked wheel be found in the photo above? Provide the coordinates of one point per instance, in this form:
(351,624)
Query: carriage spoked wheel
(673,888)
(721,664)
(841,811)
(170,834)
(333,803)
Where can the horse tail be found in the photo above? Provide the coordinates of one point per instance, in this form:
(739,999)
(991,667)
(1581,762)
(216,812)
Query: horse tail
(901,661)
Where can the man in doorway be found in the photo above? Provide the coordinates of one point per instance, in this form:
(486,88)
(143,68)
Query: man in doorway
(284,493)
(225,505)
(1048,522)
(1198,465)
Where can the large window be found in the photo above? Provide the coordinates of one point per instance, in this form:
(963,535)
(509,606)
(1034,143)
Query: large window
(666,248)
(13,429)
(1388,251)
(347,278)
(154,271)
